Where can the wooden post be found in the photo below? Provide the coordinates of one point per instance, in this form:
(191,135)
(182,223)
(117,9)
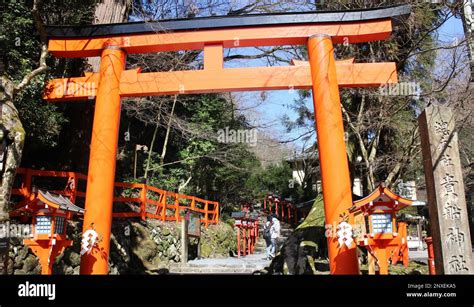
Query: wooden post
(193,203)
(74,189)
(371,263)
(143,201)
(244,237)
(206,213)
(445,188)
(176,206)
(238,241)
(382,260)
(431,260)
(251,239)
(420,235)
(337,191)
(164,201)
(184,240)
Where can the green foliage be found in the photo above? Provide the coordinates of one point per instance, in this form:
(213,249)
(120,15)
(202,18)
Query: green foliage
(19,38)
(42,120)
(197,162)
(273,179)
(227,172)
(21,48)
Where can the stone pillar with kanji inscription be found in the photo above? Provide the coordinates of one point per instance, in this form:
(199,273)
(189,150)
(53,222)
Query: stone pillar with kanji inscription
(444,184)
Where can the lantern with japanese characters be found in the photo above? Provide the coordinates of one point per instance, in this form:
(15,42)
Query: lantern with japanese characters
(376,228)
(50,213)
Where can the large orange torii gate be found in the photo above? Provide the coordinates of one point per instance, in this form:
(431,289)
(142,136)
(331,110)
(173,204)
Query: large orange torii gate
(318,31)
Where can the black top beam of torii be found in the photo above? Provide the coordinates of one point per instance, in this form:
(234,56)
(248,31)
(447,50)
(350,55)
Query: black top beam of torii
(396,13)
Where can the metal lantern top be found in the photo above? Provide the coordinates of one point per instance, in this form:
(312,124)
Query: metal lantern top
(378,211)
(50,212)
(381,199)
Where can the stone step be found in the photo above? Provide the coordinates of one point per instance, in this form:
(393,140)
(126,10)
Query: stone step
(229,266)
(200,268)
(212,270)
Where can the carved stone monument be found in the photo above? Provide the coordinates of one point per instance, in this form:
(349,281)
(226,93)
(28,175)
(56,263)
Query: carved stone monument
(444,184)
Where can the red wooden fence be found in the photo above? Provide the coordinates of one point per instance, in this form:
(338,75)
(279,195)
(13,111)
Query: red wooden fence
(148,201)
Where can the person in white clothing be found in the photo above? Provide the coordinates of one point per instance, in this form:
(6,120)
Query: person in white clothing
(274,235)
(267,236)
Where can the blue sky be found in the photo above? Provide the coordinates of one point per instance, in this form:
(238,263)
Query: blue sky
(270,112)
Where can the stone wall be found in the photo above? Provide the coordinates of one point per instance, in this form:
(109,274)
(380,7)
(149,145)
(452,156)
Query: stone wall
(218,241)
(136,247)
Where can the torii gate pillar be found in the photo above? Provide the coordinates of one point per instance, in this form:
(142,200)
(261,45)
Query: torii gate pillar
(103,156)
(332,149)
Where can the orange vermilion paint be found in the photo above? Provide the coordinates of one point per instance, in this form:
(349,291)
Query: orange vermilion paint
(336,185)
(112,83)
(103,153)
(213,79)
(278,35)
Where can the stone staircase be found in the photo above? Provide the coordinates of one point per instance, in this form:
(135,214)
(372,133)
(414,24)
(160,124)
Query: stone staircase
(285,231)
(260,245)
(232,265)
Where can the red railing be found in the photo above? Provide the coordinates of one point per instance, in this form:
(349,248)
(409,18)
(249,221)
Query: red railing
(247,235)
(143,201)
(286,211)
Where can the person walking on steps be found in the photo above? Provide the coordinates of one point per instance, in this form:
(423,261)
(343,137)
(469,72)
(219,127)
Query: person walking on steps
(274,235)
(267,236)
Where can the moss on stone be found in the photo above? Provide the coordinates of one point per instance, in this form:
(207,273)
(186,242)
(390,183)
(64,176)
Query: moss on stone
(29,264)
(315,216)
(146,250)
(218,240)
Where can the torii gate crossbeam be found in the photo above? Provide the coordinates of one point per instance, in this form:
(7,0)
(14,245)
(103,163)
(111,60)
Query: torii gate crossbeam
(318,31)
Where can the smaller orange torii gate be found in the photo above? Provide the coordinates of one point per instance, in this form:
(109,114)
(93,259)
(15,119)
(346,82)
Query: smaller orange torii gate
(318,31)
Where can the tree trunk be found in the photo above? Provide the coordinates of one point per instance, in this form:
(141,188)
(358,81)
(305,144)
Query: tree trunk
(13,132)
(155,132)
(168,128)
(109,11)
(185,184)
